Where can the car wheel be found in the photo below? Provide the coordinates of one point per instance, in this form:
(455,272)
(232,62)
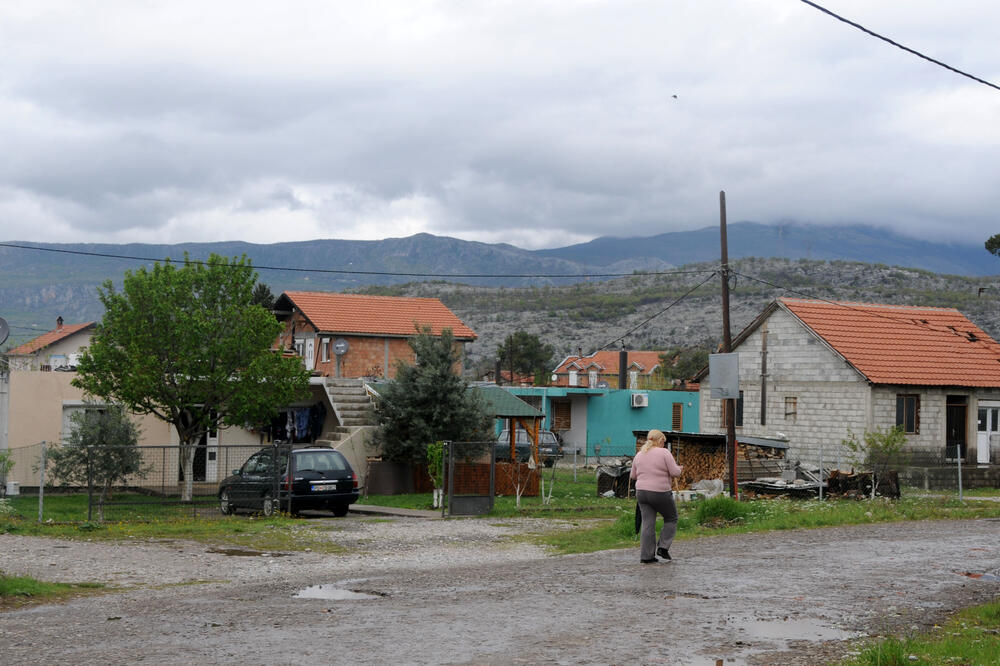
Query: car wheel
(267,506)
(340,510)
(225,506)
(549,463)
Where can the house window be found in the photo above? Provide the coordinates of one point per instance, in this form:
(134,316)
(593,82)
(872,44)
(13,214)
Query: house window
(324,346)
(908,413)
(633,379)
(573,378)
(739,412)
(70,409)
(791,408)
(677,422)
(592,379)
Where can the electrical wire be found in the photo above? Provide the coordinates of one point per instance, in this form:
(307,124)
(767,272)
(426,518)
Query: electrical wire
(354,272)
(898,45)
(649,319)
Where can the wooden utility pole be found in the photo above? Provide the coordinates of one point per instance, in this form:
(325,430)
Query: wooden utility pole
(727,347)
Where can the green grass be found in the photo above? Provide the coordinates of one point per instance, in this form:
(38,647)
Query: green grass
(16,591)
(65,517)
(971,637)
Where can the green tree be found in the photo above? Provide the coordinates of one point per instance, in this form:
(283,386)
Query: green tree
(993,244)
(683,363)
(262,296)
(428,401)
(525,353)
(186,344)
(102,451)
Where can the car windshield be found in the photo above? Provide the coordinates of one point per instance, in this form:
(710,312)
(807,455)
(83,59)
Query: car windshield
(544,437)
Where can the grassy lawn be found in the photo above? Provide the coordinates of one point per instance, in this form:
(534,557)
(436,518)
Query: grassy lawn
(971,636)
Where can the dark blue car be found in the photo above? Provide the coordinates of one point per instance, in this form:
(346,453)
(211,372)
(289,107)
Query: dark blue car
(284,479)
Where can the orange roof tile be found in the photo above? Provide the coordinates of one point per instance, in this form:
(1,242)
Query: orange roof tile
(607,361)
(376,315)
(896,344)
(46,339)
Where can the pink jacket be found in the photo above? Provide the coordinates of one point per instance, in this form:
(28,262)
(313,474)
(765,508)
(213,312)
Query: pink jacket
(652,470)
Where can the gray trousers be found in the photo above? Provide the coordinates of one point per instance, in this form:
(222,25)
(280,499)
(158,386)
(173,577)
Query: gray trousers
(651,503)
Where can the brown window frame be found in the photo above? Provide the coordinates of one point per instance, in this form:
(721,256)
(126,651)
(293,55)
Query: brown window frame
(901,412)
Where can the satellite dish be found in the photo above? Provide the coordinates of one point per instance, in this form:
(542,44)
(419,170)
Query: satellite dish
(602,384)
(4,330)
(340,346)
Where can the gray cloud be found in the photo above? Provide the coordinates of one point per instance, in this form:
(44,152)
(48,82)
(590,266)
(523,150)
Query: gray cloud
(534,123)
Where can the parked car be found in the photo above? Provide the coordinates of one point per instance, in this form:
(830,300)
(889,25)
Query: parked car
(310,478)
(549,449)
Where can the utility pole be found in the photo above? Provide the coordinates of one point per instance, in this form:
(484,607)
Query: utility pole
(727,347)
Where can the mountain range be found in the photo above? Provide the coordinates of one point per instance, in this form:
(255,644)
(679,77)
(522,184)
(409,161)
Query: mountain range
(42,281)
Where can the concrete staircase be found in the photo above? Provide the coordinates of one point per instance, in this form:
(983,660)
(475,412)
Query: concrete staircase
(351,404)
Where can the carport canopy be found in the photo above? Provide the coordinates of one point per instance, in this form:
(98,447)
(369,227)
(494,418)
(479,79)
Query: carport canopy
(506,405)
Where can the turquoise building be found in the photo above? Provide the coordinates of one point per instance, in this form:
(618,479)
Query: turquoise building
(588,418)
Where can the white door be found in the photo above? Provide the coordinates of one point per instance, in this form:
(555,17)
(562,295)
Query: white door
(989,424)
(310,354)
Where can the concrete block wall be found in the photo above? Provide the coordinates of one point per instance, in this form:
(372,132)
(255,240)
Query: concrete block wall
(831,397)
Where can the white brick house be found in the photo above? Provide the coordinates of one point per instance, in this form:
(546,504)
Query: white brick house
(828,369)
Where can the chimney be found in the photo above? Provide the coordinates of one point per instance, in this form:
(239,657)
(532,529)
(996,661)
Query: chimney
(579,352)
(59,322)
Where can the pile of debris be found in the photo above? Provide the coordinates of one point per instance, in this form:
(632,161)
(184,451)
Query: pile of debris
(859,484)
(796,480)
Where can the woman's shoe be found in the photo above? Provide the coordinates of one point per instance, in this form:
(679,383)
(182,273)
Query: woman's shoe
(649,561)
(664,553)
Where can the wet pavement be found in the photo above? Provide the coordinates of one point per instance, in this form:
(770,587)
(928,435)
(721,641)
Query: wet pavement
(796,597)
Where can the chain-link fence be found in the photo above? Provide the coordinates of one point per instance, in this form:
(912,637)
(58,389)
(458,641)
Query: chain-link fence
(121,483)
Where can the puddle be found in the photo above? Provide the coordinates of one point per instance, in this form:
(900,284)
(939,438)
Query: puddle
(978,576)
(332,593)
(789,629)
(239,552)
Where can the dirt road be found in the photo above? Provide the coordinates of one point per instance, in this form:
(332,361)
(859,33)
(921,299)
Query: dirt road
(457,592)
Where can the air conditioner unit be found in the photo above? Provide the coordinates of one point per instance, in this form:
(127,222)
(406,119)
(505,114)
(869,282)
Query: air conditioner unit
(640,400)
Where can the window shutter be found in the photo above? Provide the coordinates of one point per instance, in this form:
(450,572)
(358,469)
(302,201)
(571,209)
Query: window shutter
(677,422)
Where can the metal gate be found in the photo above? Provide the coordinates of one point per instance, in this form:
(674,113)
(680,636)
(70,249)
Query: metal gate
(470,478)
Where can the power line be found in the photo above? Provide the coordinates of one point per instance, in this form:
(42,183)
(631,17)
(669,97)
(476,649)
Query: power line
(898,45)
(651,318)
(355,272)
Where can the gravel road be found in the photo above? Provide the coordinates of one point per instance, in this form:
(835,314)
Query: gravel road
(460,591)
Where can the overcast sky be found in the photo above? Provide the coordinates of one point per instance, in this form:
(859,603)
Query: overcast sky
(535,123)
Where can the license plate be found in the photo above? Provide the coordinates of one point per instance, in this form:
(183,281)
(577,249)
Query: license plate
(324,487)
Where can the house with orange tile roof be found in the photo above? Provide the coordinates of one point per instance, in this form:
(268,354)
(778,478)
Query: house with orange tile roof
(600,370)
(817,371)
(354,335)
(57,349)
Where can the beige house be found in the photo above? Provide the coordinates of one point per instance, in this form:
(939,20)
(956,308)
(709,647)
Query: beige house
(37,399)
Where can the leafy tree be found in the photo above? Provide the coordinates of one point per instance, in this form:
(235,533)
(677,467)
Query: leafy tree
(993,244)
(524,353)
(683,363)
(428,401)
(262,296)
(102,450)
(186,344)
(878,451)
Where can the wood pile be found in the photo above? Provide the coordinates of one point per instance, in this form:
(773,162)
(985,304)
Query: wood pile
(700,462)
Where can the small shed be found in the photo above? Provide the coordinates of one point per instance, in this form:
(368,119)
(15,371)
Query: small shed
(703,455)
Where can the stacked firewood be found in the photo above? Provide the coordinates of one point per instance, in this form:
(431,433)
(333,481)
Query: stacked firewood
(700,462)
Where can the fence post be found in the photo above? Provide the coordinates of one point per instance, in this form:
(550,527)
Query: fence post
(821,470)
(958,457)
(444,471)
(90,486)
(41,483)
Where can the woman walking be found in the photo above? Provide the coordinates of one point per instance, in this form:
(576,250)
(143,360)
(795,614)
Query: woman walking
(652,470)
